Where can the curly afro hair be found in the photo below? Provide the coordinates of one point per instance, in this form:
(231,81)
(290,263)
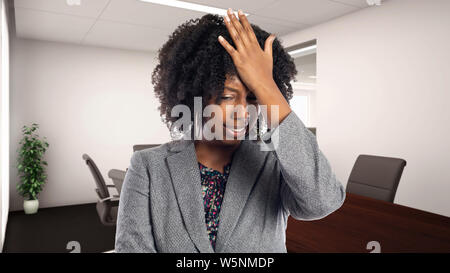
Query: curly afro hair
(193,63)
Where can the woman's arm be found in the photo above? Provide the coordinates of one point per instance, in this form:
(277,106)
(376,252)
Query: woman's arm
(309,188)
(134,230)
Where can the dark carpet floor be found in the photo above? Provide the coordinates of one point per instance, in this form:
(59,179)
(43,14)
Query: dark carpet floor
(51,229)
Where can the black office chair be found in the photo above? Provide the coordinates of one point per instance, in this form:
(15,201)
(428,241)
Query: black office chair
(312,129)
(107,205)
(376,177)
(117,176)
(139,147)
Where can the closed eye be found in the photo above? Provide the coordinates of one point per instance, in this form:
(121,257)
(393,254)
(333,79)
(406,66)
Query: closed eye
(226,97)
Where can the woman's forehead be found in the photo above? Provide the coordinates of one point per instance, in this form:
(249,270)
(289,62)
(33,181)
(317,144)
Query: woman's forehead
(234,83)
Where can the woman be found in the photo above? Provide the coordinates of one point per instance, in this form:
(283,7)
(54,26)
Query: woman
(225,195)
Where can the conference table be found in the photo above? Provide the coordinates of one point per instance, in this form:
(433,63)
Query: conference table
(364,224)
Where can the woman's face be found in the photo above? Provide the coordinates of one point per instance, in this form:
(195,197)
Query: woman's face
(235,97)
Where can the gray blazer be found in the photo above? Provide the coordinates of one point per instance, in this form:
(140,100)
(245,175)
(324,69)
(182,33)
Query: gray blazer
(161,205)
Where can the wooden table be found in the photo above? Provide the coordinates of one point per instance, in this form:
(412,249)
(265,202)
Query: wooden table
(361,220)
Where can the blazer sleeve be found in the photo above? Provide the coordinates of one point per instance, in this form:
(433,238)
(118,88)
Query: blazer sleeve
(134,230)
(309,189)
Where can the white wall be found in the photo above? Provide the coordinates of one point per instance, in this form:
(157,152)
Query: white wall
(4,121)
(87,100)
(383,88)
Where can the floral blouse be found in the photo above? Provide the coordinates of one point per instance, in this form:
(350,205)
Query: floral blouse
(213,189)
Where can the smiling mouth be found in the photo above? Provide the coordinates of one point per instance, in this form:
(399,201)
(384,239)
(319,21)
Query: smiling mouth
(235,132)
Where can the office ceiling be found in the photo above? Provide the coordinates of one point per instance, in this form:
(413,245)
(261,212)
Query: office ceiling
(135,25)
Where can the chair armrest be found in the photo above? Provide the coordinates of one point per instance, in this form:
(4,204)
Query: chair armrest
(111,198)
(105,199)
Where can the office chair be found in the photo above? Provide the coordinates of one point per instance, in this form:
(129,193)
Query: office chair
(312,129)
(107,205)
(139,147)
(376,177)
(117,176)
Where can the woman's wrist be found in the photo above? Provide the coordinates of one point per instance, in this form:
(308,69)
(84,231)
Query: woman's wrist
(269,94)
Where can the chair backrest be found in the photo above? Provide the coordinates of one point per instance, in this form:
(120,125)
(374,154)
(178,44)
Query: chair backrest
(102,190)
(139,147)
(376,177)
(312,129)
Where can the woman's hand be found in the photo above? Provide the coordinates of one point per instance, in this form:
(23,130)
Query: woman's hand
(254,65)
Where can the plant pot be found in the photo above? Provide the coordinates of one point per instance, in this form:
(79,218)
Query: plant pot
(30,206)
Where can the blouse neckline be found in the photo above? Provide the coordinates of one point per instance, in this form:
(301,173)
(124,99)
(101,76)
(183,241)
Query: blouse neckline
(226,169)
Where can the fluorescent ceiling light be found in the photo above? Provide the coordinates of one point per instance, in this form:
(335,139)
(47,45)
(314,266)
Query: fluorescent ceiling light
(190,6)
(303,83)
(301,50)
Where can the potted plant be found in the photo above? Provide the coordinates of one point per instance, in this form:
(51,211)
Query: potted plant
(31,167)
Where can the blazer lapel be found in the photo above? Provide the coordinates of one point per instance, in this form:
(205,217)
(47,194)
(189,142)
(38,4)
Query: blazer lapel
(245,168)
(187,183)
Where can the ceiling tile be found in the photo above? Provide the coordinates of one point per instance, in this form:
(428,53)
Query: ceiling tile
(147,14)
(87,8)
(132,24)
(129,36)
(275,26)
(246,6)
(308,12)
(51,26)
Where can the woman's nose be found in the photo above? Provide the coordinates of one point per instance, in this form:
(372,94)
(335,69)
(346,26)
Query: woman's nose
(241,111)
